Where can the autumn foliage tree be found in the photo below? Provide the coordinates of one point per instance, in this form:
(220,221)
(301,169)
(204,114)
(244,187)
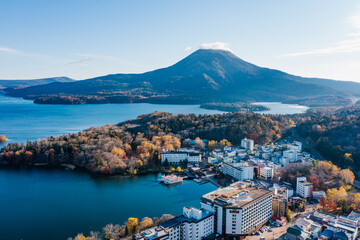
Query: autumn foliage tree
(199,143)
(224,143)
(145,223)
(347,176)
(211,145)
(132,225)
(116,149)
(3,138)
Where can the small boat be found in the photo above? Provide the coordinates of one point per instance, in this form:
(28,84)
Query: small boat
(170,179)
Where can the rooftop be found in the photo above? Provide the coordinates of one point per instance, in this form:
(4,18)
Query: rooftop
(354,215)
(267,168)
(306,183)
(234,197)
(176,221)
(152,233)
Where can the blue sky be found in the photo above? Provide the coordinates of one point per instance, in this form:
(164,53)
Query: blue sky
(88,38)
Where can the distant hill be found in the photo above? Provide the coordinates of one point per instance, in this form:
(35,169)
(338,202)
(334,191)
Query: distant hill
(32,82)
(345,86)
(203,76)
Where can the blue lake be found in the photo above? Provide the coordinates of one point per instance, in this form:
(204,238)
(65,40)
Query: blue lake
(57,204)
(22,120)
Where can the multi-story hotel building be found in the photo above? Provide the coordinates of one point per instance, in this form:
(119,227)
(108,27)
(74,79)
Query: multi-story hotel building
(248,144)
(304,188)
(177,156)
(238,211)
(193,224)
(238,171)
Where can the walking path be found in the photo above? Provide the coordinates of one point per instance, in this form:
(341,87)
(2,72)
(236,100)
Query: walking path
(213,181)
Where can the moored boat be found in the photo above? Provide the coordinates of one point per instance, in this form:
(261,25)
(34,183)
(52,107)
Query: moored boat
(171,179)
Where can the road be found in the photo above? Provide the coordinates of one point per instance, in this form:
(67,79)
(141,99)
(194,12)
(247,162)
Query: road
(211,179)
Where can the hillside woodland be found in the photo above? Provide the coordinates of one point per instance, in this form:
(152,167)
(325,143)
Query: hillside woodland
(134,146)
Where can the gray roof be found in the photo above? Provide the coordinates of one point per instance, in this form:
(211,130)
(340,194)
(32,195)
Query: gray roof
(354,216)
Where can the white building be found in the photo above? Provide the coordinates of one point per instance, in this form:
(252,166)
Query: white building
(345,225)
(290,191)
(239,171)
(318,194)
(158,233)
(227,148)
(284,161)
(291,155)
(355,216)
(197,223)
(266,155)
(296,145)
(213,160)
(266,173)
(237,211)
(177,156)
(247,144)
(194,224)
(303,188)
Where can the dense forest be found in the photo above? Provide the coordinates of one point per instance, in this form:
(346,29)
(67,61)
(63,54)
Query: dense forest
(134,146)
(234,107)
(335,136)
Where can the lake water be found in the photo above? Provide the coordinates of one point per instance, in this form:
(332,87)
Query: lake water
(22,120)
(282,108)
(57,204)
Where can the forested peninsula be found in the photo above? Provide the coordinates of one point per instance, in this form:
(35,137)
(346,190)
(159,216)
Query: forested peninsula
(134,146)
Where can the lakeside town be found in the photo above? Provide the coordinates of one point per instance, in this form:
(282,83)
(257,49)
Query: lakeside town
(180,120)
(278,169)
(252,201)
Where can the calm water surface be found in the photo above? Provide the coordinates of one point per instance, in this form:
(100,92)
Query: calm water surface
(56,204)
(282,108)
(22,120)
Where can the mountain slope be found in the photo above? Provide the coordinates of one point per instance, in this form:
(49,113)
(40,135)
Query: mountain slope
(345,86)
(32,82)
(203,76)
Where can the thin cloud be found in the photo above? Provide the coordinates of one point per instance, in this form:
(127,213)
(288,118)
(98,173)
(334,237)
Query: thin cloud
(355,21)
(19,53)
(85,58)
(188,48)
(9,50)
(215,45)
(81,60)
(346,46)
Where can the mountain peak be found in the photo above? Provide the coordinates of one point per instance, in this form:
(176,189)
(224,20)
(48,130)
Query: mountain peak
(214,51)
(208,74)
(215,46)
